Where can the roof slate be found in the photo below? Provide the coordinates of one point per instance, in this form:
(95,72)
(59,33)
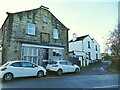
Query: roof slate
(79,38)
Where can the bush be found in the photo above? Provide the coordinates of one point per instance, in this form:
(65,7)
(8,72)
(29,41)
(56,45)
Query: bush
(115,64)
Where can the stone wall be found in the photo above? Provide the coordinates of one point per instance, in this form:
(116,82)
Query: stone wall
(19,27)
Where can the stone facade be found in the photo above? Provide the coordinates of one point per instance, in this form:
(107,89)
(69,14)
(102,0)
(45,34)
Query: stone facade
(19,43)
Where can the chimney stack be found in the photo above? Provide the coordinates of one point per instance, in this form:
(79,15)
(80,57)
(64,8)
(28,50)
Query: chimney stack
(74,36)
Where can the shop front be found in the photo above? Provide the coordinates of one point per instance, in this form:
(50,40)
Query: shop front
(40,54)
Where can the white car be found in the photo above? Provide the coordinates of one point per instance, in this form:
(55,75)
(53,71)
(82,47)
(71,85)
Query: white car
(13,69)
(62,66)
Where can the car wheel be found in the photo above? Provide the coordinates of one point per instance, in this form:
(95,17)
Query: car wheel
(77,70)
(59,72)
(8,77)
(40,74)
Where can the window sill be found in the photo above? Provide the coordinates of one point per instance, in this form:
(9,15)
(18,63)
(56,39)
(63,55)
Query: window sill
(30,35)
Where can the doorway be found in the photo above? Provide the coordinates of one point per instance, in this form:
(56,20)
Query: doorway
(45,54)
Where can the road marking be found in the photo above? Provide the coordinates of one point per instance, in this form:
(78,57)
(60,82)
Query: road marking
(108,86)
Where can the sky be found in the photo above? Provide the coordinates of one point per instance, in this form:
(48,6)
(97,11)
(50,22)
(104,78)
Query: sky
(83,17)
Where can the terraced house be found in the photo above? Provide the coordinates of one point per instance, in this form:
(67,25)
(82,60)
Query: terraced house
(34,35)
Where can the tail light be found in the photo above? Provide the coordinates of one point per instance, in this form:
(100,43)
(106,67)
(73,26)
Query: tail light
(54,65)
(3,69)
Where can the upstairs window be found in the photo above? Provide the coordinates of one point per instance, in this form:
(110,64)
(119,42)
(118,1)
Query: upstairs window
(31,29)
(96,47)
(45,19)
(88,44)
(55,33)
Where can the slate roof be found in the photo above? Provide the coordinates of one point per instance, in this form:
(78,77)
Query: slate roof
(79,38)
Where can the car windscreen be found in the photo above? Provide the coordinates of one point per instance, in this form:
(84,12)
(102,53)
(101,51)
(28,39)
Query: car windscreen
(52,62)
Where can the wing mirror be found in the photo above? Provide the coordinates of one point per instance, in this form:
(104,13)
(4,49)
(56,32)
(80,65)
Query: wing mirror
(34,66)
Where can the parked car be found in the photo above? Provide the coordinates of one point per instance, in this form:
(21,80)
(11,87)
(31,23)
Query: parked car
(62,66)
(14,69)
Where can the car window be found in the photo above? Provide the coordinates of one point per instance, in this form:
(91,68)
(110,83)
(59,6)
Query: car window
(16,64)
(52,62)
(63,63)
(27,64)
(69,63)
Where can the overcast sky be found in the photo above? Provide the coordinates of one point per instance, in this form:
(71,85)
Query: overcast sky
(83,17)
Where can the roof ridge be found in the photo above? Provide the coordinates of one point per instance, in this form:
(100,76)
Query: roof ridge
(79,38)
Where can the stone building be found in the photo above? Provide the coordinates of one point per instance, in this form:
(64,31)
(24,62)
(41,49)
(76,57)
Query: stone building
(35,35)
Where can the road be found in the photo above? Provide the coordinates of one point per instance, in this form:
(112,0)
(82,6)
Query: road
(98,69)
(94,77)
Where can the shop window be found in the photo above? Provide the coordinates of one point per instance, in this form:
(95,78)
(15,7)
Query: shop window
(57,52)
(30,54)
(31,29)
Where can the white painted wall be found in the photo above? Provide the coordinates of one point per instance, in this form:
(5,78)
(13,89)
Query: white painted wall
(83,46)
(75,46)
(98,50)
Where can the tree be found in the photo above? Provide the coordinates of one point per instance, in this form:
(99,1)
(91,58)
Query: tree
(114,46)
(105,56)
(114,42)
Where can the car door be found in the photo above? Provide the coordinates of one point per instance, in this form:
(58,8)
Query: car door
(63,64)
(29,69)
(70,66)
(16,69)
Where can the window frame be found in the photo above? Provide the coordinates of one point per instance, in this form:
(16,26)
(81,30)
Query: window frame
(13,64)
(45,19)
(63,63)
(96,48)
(89,55)
(32,57)
(89,44)
(96,56)
(55,34)
(28,65)
(31,29)
(69,63)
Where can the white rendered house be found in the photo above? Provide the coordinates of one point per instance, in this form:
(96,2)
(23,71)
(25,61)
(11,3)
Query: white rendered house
(86,49)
